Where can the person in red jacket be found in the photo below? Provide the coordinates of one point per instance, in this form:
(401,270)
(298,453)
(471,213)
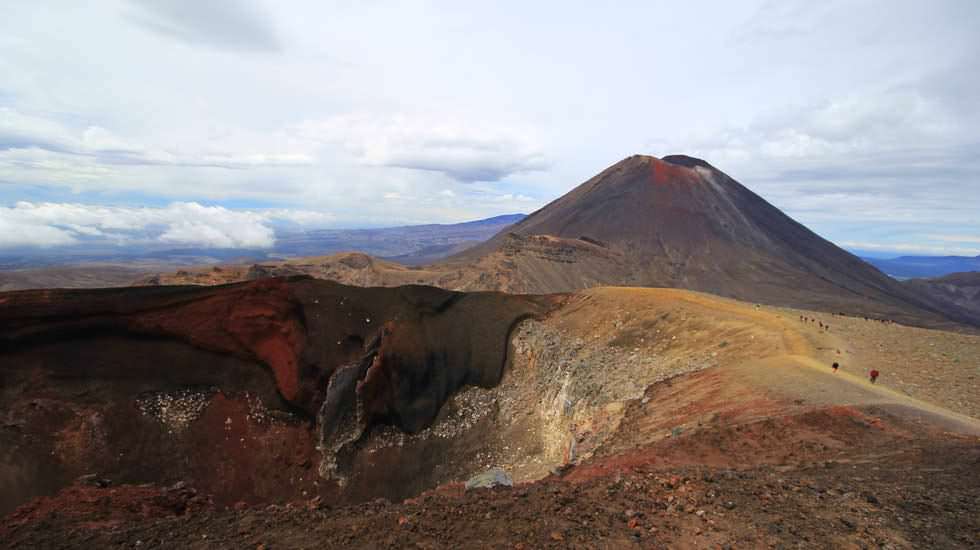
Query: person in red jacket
(874,375)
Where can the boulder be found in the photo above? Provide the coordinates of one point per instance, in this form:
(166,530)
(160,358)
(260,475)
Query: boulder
(491,478)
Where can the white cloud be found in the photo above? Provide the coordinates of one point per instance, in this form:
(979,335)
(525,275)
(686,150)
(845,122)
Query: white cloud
(510,197)
(973,239)
(214,226)
(36,166)
(462,150)
(16,233)
(850,129)
(302,217)
(206,234)
(227,24)
(181,223)
(835,111)
(47,143)
(22,131)
(98,139)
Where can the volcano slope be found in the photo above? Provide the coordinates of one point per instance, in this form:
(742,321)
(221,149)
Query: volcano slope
(625,416)
(956,289)
(679,222)
(676,222)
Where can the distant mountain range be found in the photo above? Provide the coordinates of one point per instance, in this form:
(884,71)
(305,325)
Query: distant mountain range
(94,266)
(410,244)
(906,267)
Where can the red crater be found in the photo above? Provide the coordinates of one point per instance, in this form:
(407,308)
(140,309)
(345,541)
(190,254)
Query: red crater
(227,386)
(667,173)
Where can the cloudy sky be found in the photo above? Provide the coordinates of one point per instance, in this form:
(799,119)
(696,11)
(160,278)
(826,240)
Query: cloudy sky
(210,123)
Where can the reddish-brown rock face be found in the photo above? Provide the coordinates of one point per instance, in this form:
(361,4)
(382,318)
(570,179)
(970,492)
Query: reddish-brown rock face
(227,385)
(257,321)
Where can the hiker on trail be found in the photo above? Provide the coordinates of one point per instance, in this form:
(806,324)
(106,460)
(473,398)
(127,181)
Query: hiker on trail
(835,366)
(873,375)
